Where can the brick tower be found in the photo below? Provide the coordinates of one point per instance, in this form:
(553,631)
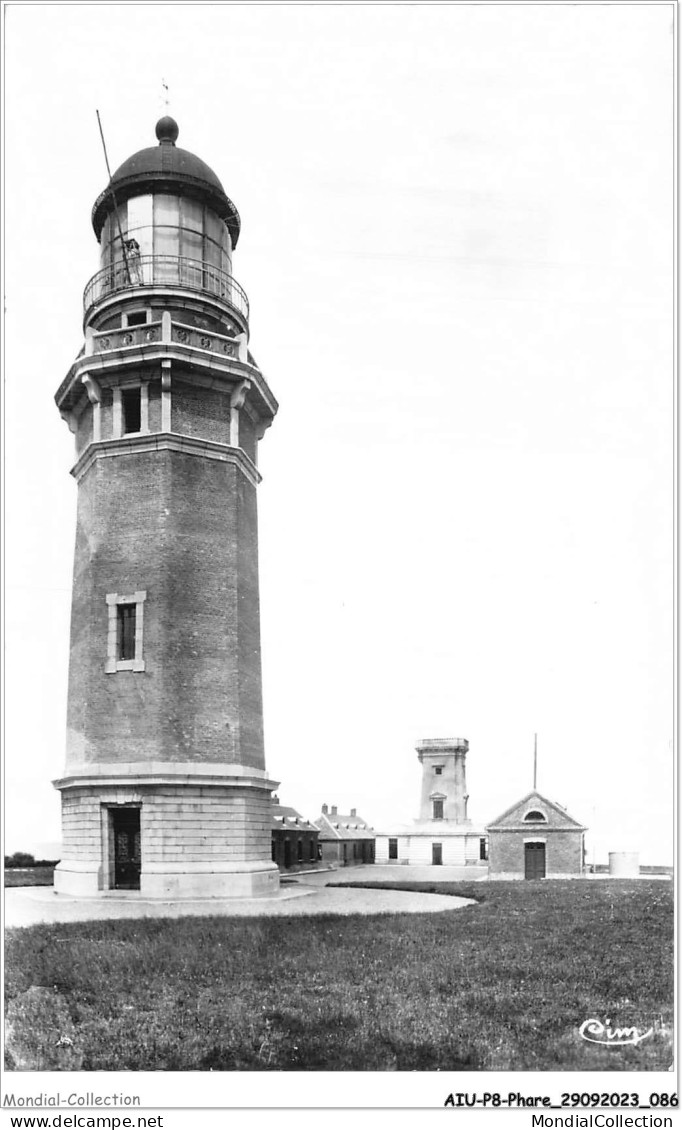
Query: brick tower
(165,790)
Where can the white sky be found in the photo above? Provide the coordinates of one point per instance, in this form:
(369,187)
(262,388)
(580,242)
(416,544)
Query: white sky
(457,243)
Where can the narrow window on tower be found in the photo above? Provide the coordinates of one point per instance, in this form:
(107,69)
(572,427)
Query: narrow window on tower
(438,770)
(437,810)
(131,400)
(125,632)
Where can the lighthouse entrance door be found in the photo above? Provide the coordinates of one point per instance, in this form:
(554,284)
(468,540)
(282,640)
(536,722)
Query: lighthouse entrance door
(126,830)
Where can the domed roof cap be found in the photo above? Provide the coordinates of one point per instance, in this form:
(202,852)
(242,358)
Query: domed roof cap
(168,169)
(167,130)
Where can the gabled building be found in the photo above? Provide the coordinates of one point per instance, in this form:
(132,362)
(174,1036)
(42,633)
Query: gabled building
(345,840)
(294,839)
(536,839)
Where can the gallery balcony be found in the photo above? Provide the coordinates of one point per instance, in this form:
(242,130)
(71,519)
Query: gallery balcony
(165,272)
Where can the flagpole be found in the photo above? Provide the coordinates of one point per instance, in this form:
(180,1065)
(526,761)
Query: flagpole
(113,197)
(535,763)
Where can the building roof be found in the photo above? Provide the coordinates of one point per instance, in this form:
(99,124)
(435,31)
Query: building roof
(434,829)
(166,168)
(288,819)
(337,826)
(512,819)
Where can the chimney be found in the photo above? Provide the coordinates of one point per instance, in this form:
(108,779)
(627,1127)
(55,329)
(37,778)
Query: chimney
(353,812)
(334,810)
(325,810)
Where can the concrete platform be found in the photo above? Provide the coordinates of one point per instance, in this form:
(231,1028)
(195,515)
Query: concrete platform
(307,895)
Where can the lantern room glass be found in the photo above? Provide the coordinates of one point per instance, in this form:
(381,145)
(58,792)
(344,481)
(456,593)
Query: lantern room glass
(165,225)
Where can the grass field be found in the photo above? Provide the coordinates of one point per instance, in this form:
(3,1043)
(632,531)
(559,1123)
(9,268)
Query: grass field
(500,985)
(29,876)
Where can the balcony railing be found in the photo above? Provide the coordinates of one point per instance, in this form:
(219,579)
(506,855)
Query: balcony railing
(165,270)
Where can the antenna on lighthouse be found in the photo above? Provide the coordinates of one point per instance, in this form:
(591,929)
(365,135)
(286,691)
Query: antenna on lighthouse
(113,197)
(535,763)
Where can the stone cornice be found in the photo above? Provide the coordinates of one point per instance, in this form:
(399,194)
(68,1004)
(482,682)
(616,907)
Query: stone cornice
(218,368)
(166,441)
(540,829)
(440,747)
(134,773)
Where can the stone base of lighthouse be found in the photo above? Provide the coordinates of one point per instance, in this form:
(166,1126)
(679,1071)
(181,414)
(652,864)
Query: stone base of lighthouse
(166,831)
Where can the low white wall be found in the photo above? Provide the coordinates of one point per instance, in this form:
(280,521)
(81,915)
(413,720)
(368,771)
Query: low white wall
(457,850)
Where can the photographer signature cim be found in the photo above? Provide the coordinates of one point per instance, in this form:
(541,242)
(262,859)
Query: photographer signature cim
(597,1033)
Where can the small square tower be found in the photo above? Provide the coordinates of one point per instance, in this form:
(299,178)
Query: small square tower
(444,795)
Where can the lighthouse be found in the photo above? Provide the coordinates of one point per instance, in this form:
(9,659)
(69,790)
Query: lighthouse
(165,793)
